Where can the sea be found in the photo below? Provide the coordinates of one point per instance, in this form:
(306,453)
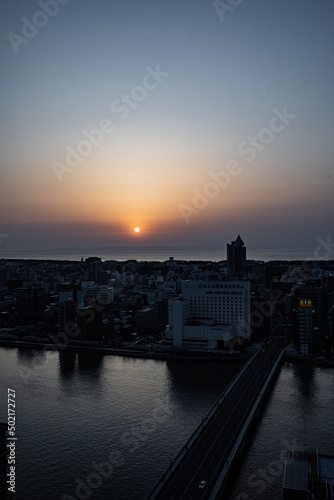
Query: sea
(99,426)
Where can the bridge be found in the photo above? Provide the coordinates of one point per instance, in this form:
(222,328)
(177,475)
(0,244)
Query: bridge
(201,469)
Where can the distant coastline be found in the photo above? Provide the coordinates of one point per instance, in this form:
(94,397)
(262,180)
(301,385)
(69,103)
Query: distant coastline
(160,254)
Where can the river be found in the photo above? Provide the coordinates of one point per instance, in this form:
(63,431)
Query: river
(103,426)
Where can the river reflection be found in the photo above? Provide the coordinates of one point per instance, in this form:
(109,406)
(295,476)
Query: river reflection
(77,407)
(30,357)
(189,378)
(67,364)
(305,382)
(91,364)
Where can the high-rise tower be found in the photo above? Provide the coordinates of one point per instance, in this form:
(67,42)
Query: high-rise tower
(305,326)
(30,304)
(236,256)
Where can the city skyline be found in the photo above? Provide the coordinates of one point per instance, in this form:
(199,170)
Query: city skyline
(191,122)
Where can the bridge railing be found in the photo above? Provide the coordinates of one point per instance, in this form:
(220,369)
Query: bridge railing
(179,457)
(234,451)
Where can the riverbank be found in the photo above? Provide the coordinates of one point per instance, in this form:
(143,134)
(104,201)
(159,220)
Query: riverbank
(157,354)
(133,353)
(287,358)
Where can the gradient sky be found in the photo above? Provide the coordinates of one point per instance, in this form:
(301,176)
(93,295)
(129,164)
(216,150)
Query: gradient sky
(225,77)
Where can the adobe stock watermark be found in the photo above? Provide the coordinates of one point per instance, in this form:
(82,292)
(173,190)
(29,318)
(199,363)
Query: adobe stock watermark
(139,434)
(222,7)
(250,147)
(122,107)
(131,441)
(99,473)
(40,19)
(327,246)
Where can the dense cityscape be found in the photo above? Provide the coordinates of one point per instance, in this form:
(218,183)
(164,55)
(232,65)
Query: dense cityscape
(170,306)
(233,309)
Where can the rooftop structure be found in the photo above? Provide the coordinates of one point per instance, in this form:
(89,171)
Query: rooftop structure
(308,475)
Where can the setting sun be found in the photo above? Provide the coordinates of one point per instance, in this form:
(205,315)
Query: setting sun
(137,229)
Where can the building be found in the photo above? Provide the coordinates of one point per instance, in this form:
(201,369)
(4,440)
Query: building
(68,291)
(105,277)
(147,320)
(308,475)
(262,311)
(95,270)
(305,327)
(236,257)
(66,314)
(313,294)
(162,310)
(116,285)
(101,294)
(90,324)
(209,314)
(30,304)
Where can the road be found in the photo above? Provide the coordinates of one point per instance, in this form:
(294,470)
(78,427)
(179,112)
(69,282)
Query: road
(208,454)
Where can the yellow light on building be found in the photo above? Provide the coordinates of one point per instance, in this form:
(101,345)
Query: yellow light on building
(305,304)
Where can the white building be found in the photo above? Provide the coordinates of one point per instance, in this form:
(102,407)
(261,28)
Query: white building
(103,294)
(209,313)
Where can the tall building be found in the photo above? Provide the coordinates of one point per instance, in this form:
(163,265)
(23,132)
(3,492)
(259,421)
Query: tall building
(314,294)
(90,323)
(95,268)
(146,320)
(66,314)
(236,256)
(305,326)
(210,313)
(30,304)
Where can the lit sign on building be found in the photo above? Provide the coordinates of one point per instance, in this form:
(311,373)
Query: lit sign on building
(305,304)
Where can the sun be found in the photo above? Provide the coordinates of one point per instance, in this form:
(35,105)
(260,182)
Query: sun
(137,229)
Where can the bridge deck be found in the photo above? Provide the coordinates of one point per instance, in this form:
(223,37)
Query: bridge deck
(208,454)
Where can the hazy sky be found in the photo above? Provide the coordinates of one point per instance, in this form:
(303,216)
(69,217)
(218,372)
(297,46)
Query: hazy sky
(193,120)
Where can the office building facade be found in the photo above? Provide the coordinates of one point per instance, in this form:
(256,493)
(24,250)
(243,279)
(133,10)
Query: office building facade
(30,304)
(305,327)
(209,313)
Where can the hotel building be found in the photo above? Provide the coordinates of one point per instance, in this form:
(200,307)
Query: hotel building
(209,314)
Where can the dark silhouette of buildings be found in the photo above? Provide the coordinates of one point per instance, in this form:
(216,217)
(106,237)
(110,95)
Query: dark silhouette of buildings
(304,326)
(236,256)
(308,475)
(30,304)
(66,314)
(95,268)
(70,287)
(90,324)
(147,320)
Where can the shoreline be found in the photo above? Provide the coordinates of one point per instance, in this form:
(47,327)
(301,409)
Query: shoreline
(304,361)
(196,355)
(132,353)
